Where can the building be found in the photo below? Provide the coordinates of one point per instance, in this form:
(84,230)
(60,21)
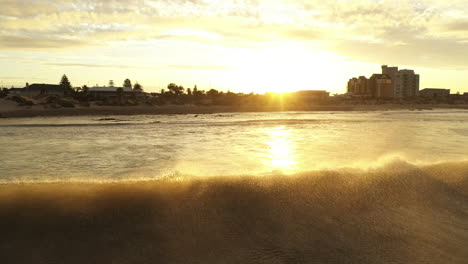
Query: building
(359,86)
(110,92)
(36,89)
(406,84)
(15,90)
(312,94)
(381,86)
(390,71)
(362,88)
(352,86)
(434,92)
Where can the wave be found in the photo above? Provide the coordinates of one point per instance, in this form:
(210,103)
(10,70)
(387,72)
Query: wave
(74,125)
(399,213)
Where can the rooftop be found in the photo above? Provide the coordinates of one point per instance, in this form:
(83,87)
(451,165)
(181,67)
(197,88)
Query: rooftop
(108,89)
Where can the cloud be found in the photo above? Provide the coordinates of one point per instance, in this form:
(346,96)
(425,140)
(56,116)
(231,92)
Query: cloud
(177,67)
(200,67)
(429,31)
(100,66)
(19,42)
(461,25)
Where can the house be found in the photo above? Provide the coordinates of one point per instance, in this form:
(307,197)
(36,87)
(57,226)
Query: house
(110,92)
(15,90)
(36,89)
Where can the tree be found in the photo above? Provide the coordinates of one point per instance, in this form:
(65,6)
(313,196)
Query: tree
(137,87)
(189,91)
(212,93)
(175,89)
(65,83)
(111,83)
(127,84)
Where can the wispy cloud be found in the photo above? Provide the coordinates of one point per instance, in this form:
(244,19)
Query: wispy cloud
(24,42)
(361,29)
(177,67)
(200,67)
(100,66)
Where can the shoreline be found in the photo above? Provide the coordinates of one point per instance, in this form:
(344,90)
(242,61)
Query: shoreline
(36,111)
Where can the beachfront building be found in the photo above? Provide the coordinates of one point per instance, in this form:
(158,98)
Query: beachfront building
(381,86)
(359,86)
(110,92)
(312,94)
(406,84)
(352,86)
(36,89)
(434,92)
(362,84)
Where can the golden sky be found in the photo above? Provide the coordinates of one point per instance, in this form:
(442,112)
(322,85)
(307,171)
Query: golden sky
(244,46)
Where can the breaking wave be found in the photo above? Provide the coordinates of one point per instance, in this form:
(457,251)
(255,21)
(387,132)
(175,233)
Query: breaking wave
(399,213)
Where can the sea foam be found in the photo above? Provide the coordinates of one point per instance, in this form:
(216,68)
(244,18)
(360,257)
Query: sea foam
(393,214)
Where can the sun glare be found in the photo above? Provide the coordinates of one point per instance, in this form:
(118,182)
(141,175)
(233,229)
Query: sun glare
(286,67)
(281,150)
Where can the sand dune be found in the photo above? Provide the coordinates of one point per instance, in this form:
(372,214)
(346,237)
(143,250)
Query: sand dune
(410,215)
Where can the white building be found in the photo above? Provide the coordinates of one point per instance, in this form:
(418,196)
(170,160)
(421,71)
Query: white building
(405,83)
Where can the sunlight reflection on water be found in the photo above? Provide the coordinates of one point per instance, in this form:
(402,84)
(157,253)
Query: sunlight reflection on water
(282,155)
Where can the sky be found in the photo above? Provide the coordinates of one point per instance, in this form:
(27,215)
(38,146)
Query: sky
(237,45)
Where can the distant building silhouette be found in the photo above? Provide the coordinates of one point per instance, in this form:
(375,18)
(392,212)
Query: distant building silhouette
(36,89)
(313,94)
(103,92)
(434,92)
(391,83)
(406,84)
(352,86)
(381,86)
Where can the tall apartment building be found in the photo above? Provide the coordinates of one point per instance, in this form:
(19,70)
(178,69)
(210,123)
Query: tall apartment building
(390,71)
(381,86)
(406,84)
(359,86)
(362,86)
(352,86)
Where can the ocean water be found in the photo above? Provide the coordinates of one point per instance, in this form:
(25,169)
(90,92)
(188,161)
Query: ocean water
(326,187)
(150,147)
